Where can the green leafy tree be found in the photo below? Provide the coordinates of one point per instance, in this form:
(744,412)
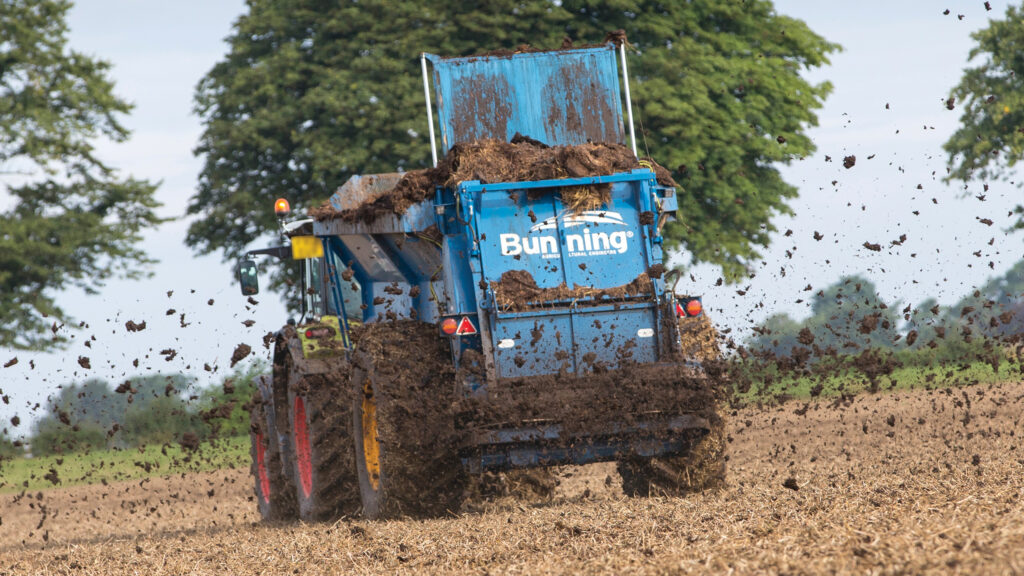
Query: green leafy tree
(74,222)
(992,310)
(777,335)
(312,92)
(989,142)
(144,410)
(848,316)
(924,319)
(224,408)
(8,448)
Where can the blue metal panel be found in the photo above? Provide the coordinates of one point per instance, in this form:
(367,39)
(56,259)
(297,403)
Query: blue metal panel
(566,97)
(574,340)
(541,344)
(601,248)
(460,296)
(525,227)
(516,237)
(610,337)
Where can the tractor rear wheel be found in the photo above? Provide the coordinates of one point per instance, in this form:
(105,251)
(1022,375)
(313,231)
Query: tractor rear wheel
(275,496)
(701,468)
(402,396)
(319,410)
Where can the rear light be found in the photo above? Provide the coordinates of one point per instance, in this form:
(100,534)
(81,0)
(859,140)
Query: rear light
(694,308)
(458,326)
(449,326)
(320,332)
(689,307)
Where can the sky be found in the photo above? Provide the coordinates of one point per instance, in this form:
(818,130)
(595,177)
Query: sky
(898,64)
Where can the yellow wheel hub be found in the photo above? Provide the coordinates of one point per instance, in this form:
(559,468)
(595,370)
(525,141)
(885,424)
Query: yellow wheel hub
(371,445)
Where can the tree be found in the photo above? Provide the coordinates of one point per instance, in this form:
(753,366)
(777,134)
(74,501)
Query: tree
(142,410)
(74,222)
(990,140)
(225,408)
(777,335)
(849,316)
(9,448)
(312,92)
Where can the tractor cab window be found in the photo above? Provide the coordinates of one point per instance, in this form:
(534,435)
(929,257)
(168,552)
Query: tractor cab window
(350,290)
(314,287)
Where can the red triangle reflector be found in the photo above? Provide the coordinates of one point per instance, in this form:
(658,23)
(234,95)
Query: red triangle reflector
(466,327)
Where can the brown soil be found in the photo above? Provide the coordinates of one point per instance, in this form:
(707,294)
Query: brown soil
(830,487)
(490,161)
(240,353)
(699,338)
(585,405)
(517,290)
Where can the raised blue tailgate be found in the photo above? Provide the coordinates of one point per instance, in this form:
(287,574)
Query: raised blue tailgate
(566,97)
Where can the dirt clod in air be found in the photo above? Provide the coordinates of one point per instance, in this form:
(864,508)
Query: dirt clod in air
(849,161)
(132,326)
(791,483)
(240,353)
(11,362)
(83,361)
(189,441)
(869,323)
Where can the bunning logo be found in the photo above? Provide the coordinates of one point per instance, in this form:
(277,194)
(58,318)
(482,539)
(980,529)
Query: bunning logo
(586,243)
(574,220)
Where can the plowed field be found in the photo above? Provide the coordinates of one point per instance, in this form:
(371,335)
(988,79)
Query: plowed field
(928,481)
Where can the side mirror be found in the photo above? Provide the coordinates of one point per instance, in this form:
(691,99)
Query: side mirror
(247,277)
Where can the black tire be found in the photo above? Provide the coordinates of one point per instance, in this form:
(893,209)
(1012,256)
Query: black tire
(319,412)
(703,467)
(286,345)
(403,392)
(275,496)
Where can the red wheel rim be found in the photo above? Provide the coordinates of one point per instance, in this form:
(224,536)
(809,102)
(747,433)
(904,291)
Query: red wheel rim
(261,469)
(302,456)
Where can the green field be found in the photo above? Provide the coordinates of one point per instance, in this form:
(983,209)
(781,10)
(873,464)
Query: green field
(102,466)
(771,386)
